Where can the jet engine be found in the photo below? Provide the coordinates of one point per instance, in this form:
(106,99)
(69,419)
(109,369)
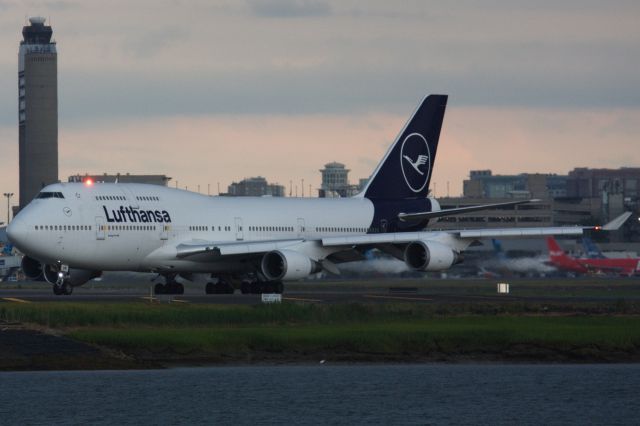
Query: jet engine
(32,268)
(430,256)
(75,277)
(287,265)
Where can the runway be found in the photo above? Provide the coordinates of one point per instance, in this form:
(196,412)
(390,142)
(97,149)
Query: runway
(376,291)
(45,295)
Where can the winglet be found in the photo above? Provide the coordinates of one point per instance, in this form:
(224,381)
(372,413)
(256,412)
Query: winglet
(615,223)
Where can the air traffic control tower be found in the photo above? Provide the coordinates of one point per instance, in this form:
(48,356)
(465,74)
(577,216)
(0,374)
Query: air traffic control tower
(38,109)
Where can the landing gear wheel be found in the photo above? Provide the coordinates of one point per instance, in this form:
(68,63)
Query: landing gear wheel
(256,287)
(159,289)
(57,290)
(174,288)
(210,288)
(223,287)
(67,288)
(278,287)
(245,287)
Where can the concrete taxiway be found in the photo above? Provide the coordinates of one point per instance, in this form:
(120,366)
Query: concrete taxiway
(376,291)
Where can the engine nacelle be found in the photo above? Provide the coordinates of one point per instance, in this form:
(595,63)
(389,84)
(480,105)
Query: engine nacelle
(75,277)
(430,256)
(288,265)
(32,268)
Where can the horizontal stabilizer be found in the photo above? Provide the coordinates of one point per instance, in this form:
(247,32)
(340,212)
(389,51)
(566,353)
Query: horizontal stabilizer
(408,217)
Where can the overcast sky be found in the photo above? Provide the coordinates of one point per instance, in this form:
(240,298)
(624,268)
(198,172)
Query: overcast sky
(214,91)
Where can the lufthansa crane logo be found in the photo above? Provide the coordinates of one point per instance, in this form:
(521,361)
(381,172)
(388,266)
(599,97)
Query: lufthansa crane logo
(415,161)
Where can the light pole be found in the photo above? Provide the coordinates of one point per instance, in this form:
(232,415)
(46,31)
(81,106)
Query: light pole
(8,195)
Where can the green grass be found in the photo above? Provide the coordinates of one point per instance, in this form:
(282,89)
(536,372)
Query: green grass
(443,334)
(123,314)
(384,329)
(69,314)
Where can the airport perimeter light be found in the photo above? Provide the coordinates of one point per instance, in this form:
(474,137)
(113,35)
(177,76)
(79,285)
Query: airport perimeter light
(8,195)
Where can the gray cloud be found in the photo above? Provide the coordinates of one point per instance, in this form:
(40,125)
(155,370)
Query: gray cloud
(154,41)
(192,59)
(289,8)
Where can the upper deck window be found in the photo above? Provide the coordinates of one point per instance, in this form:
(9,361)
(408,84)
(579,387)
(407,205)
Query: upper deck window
(50,195)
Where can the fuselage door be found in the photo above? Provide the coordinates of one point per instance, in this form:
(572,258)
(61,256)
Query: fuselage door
(100,227)
(301,228)
(239,232)
(164,231)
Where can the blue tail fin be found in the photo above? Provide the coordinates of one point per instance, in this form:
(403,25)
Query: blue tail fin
(497,247)
(405,171)
(591,250)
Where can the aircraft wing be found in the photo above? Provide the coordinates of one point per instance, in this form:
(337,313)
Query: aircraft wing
(474,234)
(470,234)
(410,217)
(458,239)
(232,248)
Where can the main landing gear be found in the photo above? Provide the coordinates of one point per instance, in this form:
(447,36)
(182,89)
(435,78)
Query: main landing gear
(219,287)
(171,286)
(260,287)
(247,286)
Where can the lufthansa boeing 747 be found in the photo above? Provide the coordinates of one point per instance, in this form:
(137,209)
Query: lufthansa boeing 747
(71,232)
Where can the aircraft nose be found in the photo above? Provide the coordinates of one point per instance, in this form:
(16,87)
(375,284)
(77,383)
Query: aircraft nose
(16,231)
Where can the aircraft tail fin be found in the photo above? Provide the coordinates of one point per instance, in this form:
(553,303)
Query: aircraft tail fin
(497,247)
(555,251)
(406,169)
(592,250)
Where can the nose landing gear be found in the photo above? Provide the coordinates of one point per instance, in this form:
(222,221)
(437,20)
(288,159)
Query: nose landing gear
(62,286)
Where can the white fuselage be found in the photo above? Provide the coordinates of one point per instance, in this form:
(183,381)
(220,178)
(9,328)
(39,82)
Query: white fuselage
(137,227)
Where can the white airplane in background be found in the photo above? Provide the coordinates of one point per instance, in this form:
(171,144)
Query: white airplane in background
(71,232)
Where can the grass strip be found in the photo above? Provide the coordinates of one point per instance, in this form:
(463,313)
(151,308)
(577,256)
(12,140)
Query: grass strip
(69,314)
(470,334)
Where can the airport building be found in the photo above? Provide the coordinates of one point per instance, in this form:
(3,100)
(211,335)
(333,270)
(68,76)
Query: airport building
(255,187)
(584,196)
(585,182)
(547,212)
(162,180)
(335,182)
(37,109)
(484,184)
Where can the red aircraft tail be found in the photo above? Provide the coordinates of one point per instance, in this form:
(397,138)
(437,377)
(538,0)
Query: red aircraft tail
(560,259)
(555,251)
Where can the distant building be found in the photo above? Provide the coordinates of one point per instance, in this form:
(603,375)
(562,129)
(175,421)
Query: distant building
(362,183)
(37,110)
(255,187)
(586,182)
(547,212)
(162,180)
(484,184)
(335,181)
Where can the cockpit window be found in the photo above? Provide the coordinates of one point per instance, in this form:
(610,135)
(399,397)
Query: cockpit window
(50,195)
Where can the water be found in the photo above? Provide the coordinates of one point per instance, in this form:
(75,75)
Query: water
(323,394)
